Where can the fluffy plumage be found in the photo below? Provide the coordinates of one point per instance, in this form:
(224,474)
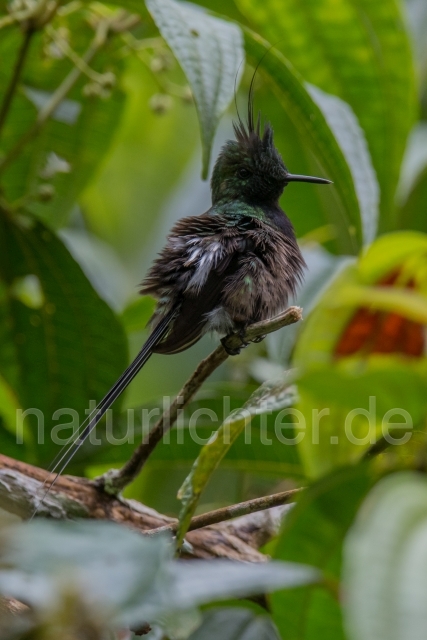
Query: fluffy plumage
(239,262)
(224,274)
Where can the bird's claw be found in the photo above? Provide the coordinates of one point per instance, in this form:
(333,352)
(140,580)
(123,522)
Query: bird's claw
(244,343)
(236,350)
(229,350)
(242,334)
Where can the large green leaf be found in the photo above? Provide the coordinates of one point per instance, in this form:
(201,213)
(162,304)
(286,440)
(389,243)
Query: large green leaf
(354,393)
(384,576)
(313,127)
(355,285)
(271,396)
(348,407)
(313,533)
(131,578)
(210,51)
(392,299)
(65,347)
(350,137)
(137,314)
(360,51)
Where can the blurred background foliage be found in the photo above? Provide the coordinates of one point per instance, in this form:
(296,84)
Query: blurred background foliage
(93,179)
(96,190)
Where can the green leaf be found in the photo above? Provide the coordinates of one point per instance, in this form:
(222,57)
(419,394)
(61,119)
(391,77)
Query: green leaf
(347,407)
(400,251)
(414,161)
(82,146)
(413,214)
(235,624)
(312,125)
(271,396)
(263,454)
(101,264)
(199,582)
(67,351)
(344,401)
(9,405)
(137,314)
(107,563)
(360,51)
(384,575)
(313,533)
(133,577)
(417,19)
(210,51)
(345,127)
(392,299)
(258,450)
(412,189)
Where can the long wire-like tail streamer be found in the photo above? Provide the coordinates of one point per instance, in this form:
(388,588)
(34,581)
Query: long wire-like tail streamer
(88,425)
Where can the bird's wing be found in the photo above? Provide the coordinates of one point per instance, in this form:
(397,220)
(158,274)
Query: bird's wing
(189,325)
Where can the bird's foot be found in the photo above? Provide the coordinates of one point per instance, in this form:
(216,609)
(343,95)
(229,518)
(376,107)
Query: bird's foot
(242,336)
(236,350)
(259,339)
(229,350)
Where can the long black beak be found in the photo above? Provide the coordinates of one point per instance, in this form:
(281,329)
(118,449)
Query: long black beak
(292,177)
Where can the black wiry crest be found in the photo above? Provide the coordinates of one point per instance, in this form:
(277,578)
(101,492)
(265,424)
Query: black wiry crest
(249,134)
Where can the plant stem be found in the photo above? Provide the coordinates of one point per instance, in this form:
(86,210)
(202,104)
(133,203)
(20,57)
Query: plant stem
(57,97)
(115,480)
(234,511)
(10,91)
(78,62)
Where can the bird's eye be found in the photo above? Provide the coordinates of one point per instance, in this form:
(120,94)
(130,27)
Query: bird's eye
(243,173)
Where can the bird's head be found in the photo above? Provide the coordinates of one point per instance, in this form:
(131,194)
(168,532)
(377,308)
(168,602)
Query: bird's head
(250,168)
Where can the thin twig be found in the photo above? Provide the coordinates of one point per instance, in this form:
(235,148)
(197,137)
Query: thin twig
(57,97)
(115,480)
(78,62)
(234,511)
(10,91)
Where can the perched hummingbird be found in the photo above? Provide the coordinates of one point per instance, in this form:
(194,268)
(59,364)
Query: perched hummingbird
(234,265)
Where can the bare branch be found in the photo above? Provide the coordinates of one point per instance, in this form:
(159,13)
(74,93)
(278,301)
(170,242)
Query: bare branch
(234,511)
(115,480)
(71,497)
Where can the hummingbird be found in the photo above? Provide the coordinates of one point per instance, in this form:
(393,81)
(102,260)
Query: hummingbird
(236,264)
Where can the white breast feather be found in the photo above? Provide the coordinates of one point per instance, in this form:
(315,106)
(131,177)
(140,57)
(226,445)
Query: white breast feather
(205,258)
